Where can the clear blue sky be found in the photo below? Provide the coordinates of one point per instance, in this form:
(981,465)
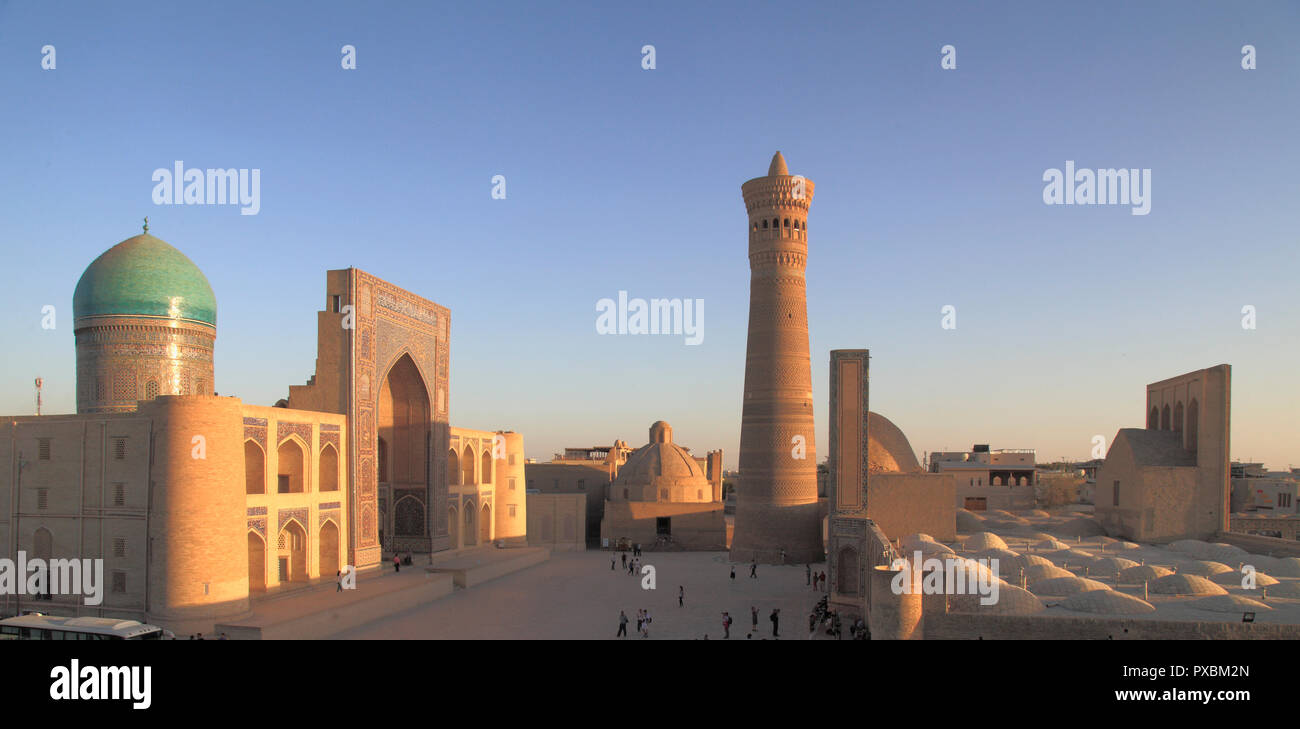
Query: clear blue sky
(929,193)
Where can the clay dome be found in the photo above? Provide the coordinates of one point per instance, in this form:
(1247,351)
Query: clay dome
(1142,573)
(1233,578)
(1202,568)
(1064,586)
(1107,602)
(662,471)
(1229,604)
(1107,566)
(984,540)
(888,450)
(1011,600)
(1184,584)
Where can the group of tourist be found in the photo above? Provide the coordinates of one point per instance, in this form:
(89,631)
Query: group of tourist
(642,623)
(817,580)
(633,566)
(643,620)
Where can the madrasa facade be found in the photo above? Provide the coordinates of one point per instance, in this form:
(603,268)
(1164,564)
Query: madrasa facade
(196,502)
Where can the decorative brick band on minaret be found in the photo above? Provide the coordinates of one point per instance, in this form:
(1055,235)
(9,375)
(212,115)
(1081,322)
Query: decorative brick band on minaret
(776,504)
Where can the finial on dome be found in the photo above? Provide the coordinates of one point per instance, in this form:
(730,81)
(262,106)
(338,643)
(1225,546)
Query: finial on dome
(778,166)
(146,220)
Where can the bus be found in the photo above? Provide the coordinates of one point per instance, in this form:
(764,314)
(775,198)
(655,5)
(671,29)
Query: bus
(50,627)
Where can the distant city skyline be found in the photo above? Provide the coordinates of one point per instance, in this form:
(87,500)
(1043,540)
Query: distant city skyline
(930,193)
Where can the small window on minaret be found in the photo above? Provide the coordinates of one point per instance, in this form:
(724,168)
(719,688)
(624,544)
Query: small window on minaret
(764,224)
(787,222)
(336,303)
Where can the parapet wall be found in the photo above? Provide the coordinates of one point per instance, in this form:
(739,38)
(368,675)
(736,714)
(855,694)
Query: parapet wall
(1257,544)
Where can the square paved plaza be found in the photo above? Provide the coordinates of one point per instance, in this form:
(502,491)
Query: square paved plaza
(575,595)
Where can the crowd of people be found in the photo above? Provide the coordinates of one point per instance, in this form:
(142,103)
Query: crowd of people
(632,564)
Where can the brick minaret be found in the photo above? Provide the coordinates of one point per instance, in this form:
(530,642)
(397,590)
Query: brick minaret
(776,501)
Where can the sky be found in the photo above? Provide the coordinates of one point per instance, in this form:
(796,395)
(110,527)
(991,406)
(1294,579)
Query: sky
(929,193)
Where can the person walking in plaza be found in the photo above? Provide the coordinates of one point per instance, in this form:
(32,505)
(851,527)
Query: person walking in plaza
(645,626)
(823,581)
(640,618)
(622,625)
(776,619)
(611,564)
(397,563)
(681,596)
(807,573)
(339,576)
(726,625)
(625,559)
(733,573)
(753,611)
(753,569)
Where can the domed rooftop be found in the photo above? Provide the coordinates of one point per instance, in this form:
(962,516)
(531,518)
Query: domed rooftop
(1202,568)
(1065,586)
(1011,600)
(1233,578)
(1284,589)
(888,450)
(1107,566)
(1040,572)
(662,465)
(1143,573)
(1184,584)
(144,276)
(1229,604)
(1107,602)
(1287,567)
(984,540)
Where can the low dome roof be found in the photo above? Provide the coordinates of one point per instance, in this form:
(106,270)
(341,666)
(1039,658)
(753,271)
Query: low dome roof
(661,460)
(888,450)
(144,276)
(1107,602)
(1184,584)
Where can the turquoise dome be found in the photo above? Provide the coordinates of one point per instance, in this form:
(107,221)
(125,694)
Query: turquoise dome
(144,276)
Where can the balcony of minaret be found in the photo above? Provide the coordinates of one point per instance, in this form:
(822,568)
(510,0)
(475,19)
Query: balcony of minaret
(778,228)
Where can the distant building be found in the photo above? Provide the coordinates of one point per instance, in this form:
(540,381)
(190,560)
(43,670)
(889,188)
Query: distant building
(990,479)
(1170,480)
(1256,489)
(665,496)
(590,478)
